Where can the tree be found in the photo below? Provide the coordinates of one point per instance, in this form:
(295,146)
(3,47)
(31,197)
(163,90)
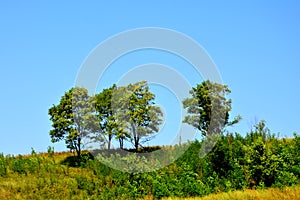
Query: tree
(73,119)
(134,105)
(208,109)
(109,124)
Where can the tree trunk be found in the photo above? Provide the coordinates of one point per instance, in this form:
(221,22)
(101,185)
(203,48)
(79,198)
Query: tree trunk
(136,144)
(135,137)
(78,142)
(109,141)
(121,140)
(78,147)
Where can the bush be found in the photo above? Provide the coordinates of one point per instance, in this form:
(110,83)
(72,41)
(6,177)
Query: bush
(3,165)
(19,165)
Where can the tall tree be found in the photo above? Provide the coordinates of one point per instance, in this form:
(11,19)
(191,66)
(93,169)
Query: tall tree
(208,108)
(135,106)
(73,119)
(110,126)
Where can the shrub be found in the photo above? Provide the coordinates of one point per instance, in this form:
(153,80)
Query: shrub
(3,165)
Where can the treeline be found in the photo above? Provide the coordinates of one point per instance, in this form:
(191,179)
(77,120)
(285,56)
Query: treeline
(129,114)
(121,113)
(256,160)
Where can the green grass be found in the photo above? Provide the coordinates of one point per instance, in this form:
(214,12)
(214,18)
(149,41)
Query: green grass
(233,176)
(47,180)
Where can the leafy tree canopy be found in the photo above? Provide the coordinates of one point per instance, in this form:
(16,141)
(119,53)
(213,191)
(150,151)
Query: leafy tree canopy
(208,109)
(73,119)
(134,105)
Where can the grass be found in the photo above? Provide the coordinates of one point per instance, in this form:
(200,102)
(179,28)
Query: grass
(59,176)
(52,181)
(288,193)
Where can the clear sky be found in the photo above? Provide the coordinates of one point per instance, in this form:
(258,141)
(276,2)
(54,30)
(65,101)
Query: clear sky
(255,45)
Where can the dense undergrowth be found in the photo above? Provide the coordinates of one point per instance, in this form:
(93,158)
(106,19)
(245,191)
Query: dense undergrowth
(258,160)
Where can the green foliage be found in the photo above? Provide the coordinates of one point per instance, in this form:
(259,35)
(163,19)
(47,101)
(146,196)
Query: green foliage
(50,150)
(3,165)
(73,119)
(257,160)
(128,113)
(105,103)
(124,113)
(75,161)
(134,105)
(208,109)
(19,165)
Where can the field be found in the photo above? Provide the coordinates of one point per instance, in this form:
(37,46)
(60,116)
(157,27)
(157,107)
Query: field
(252,167)
(288,193)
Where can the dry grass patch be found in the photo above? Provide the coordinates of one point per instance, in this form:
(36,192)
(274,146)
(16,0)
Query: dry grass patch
(289,193)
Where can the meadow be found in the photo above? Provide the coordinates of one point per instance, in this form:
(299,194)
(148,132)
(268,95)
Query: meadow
(257,166)
(287,193)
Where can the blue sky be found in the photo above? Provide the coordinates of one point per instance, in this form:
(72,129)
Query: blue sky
(255,45)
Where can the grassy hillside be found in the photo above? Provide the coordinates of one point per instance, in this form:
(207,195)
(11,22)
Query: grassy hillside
(251,164)
(287,193)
